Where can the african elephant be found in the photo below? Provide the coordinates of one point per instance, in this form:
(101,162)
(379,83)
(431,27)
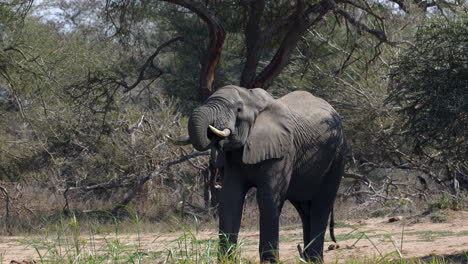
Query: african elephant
(291,148)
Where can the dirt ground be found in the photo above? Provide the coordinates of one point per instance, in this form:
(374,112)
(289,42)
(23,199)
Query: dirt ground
(371,238)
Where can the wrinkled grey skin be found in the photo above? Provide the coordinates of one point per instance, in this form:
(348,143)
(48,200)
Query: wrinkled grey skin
(289,149)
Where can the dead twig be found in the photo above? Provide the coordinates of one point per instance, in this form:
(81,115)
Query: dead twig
(7,204)
(139,184)
(357,177)
(301,252)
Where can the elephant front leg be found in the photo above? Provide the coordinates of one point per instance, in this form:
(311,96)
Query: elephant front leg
(230,214)
(270,210)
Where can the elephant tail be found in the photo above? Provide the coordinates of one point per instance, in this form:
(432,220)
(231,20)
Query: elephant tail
(332,227)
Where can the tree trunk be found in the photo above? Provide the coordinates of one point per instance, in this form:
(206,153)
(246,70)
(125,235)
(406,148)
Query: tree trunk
(217,35)
(298,25)
(254,42)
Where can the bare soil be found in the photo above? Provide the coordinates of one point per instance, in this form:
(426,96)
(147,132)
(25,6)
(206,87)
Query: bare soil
(371,238)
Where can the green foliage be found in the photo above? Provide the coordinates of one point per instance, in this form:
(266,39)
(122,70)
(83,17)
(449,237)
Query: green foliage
(348,69)
(438,217)
(67,118)
(439,208)
(429,84)
(448,201)
(66,121)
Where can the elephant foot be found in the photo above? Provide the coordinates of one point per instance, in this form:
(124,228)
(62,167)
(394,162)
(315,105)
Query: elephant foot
(269,257)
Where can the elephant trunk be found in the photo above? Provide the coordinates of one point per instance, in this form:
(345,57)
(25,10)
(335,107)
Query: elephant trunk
(198,125)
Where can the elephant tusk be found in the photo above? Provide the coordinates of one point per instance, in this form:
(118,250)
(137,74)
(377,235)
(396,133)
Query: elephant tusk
(225,133)
(179,142)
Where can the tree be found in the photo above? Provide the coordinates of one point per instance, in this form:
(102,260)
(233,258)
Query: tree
(429,88)
(67,124)
(251,43)
(266,33)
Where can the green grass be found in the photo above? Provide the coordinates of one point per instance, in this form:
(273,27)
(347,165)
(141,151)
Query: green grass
(66,242)
(438,217)
(432,235)
(448,202)
(432,260)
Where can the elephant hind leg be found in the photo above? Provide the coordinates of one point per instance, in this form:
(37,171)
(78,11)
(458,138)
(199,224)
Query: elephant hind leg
(318,220)
(314,224)
(315,213)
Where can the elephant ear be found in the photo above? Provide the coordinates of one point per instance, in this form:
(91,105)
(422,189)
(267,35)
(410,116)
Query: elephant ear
(270,137)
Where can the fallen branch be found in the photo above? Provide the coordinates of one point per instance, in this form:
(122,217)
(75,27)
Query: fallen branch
(357,177)
(404,166)
(142,181)
(115,183)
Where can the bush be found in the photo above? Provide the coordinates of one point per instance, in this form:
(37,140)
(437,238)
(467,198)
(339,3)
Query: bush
(429,87)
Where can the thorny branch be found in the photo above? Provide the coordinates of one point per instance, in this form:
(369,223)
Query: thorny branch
(377,33)
(149,62)
(136,183)
(117,183)
(387,187)
(142,181)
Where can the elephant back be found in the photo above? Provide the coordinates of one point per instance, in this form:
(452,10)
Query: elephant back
(318,125)
(306,104)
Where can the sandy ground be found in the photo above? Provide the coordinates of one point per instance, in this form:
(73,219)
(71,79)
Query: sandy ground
(372,238)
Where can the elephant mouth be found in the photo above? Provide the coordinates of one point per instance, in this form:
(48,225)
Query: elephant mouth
(210,135)
(213,134)
(222,134)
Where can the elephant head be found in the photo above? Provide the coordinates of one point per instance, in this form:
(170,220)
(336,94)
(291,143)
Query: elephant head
(248,120)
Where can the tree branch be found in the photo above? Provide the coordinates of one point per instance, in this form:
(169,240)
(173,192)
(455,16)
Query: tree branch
(155,173)
(254,40)
(357,177)
(217,36)
(303,19)
(401,5)
(425,4)
(117,183)
(7,205)
(149,62)
(380,35)
(377,33)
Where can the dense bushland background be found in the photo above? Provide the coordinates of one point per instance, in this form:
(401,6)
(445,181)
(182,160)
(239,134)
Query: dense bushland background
(89,89)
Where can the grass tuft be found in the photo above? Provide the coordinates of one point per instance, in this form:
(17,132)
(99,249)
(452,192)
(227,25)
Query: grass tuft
(439,217)
(66,242)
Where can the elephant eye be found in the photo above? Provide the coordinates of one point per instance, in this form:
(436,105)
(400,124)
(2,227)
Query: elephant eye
(239,109)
